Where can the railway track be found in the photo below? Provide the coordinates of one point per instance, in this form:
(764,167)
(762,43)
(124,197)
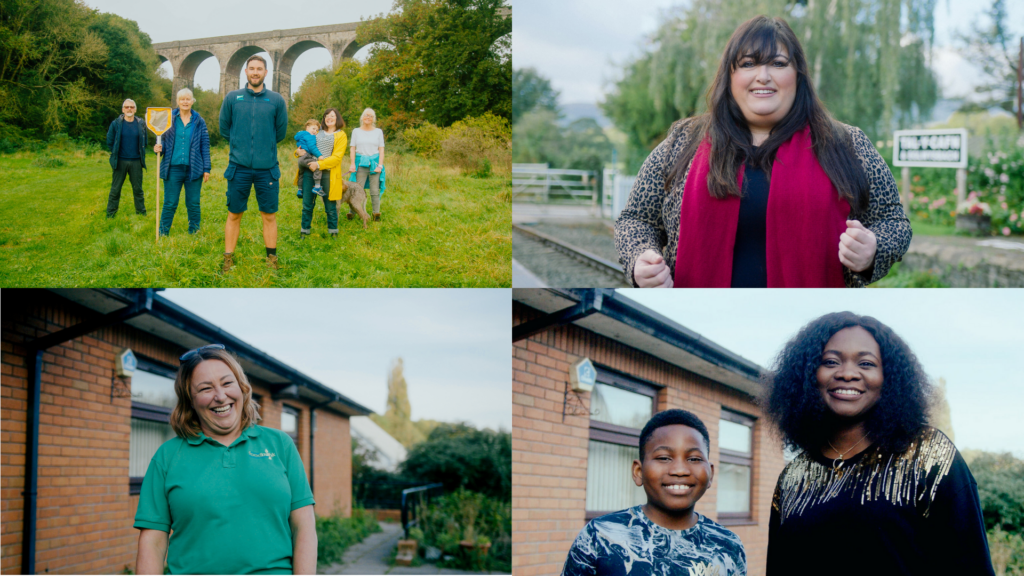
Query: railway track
(560,264)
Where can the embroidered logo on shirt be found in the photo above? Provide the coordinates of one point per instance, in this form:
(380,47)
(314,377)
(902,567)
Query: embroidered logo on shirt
(241,97)
(264,454)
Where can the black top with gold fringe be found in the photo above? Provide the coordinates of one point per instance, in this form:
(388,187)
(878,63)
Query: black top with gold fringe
(879,513)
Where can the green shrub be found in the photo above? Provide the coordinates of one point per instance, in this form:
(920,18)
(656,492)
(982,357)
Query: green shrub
(424,140)
(335,534)
(464,515)
(48,162)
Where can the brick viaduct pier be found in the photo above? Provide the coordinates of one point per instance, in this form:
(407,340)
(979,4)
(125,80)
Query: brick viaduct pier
(284,47)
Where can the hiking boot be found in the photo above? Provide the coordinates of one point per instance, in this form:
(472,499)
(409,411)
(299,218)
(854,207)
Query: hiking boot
(334,235)
(303,235)
(272,262)
(350,216)
(229,263)
(298,193)
(376,217)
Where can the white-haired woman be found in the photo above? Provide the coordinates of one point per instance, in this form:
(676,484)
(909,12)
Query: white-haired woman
(225,496)
(368,159)
(186,162)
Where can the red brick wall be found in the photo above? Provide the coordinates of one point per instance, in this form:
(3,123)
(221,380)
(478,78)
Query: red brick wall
(549,456)
(84,511)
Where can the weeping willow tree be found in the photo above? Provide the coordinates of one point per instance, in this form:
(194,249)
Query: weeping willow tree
(869,61)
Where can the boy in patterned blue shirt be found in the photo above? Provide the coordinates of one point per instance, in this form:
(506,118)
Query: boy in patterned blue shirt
(664,537)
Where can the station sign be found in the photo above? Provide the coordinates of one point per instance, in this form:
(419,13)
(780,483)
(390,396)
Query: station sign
(946,148)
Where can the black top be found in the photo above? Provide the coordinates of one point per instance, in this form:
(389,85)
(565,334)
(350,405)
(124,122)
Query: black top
(881,514)
(629,543)
(130,140)
(749,262)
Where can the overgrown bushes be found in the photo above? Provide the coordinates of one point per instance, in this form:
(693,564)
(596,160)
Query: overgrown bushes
(469,516)
(460,456)
(475,145)
(335,534)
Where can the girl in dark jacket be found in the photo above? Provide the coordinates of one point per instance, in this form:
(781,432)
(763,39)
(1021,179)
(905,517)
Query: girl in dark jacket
(186,160)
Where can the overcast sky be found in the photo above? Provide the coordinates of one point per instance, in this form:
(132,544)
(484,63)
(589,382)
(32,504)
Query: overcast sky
(188,19)
(972,338)
(577,43)
(454,343)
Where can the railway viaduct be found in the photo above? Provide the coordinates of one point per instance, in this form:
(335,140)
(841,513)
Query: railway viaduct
(284,47)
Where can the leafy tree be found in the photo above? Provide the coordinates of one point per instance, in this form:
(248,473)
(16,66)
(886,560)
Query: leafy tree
(851,48)
(460,456)
(994,48)
(440,60)
(1000,479)
(349,92)
(531,91)
(310,101)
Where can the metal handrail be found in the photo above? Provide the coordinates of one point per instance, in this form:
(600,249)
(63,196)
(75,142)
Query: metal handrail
(406,508)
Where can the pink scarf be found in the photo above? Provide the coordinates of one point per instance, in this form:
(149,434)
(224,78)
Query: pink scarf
(805,218)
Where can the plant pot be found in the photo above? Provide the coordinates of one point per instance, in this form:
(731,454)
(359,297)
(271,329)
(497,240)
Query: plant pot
(406,552)
(974,224)
(476,552)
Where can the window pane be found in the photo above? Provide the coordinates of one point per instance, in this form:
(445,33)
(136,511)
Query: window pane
(733,487)
(150,388)
(733,436)
(289,424)
(610,478)
(621,407)
(146,437)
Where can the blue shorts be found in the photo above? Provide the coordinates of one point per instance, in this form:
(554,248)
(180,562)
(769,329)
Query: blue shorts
(241,181)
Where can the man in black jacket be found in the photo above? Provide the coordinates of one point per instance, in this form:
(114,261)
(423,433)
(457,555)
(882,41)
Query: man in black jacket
(126,139)
(253,120)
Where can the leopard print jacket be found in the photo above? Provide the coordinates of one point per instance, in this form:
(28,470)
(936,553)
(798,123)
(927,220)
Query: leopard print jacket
(650,219)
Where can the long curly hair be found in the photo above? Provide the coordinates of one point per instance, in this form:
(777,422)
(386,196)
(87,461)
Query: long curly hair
(792,402)
(731,141)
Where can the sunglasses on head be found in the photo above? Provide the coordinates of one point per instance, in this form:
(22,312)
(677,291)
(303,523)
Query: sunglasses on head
(192,353)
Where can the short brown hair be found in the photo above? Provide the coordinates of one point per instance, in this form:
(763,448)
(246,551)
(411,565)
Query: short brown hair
(339,125)
(312,121)
(256,57)
(184,419)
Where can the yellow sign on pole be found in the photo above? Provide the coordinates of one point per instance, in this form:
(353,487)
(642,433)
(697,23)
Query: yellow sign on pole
(159,121)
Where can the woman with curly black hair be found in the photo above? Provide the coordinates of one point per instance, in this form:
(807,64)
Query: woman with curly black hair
(874,489)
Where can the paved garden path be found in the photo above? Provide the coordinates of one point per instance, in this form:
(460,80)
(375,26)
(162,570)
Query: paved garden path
(371,557)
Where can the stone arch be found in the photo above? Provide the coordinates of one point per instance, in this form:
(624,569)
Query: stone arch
(184,77)
(283,72)
(233,67)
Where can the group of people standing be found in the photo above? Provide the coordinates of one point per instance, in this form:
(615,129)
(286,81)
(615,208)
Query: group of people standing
(253,120)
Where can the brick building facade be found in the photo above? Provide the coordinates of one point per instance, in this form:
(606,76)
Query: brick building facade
(96,432)
(558,482)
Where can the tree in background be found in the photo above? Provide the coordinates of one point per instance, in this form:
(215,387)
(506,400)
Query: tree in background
(439,60)
(460,456)
(994,49)
(531,91)
(851,48)
(66,68)
(397,419)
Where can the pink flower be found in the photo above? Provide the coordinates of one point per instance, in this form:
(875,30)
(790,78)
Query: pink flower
(1004,206)
(973,195)
(1006,230)
(1013,217)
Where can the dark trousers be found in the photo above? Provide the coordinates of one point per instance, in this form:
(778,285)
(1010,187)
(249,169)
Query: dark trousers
(309,201)
(177,176)
(132,169)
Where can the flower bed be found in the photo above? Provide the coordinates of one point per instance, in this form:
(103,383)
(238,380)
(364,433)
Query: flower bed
(995,184)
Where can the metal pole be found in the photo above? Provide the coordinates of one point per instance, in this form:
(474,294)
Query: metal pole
(961,186)
(905,193)
(1020,80)
(158,191)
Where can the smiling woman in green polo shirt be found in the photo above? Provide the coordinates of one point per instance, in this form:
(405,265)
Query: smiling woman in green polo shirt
(234,494)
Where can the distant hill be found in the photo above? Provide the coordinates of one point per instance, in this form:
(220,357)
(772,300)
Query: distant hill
(576,110)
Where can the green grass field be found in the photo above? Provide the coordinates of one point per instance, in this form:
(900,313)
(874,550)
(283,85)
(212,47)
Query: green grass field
(440,228)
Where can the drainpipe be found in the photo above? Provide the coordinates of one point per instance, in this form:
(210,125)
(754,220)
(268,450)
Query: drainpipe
(312,441)
(143,302)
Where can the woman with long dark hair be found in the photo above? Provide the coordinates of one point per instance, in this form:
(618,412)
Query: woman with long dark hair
(765,189)
(874,489)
